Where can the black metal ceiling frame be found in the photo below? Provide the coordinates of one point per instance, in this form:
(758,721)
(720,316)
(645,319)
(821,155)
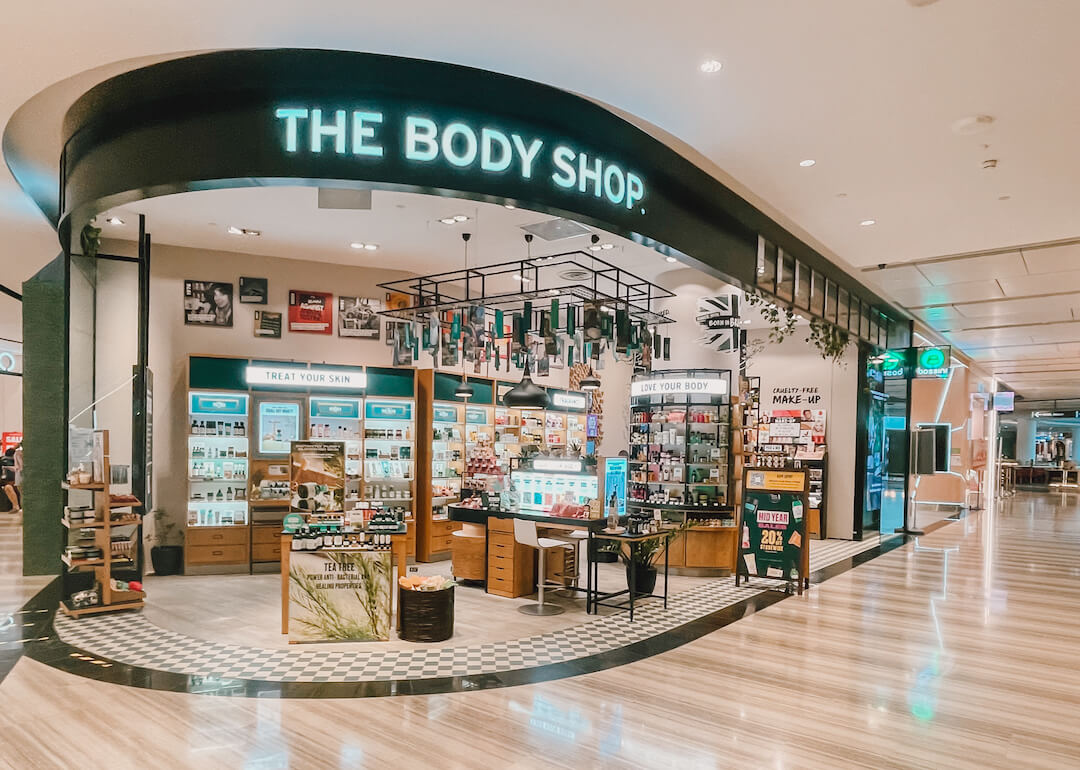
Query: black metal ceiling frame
(607,284)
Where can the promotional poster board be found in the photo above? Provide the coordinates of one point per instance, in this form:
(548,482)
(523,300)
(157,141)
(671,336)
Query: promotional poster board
(616,470)
(773,526)
(317,476)
(339,596)
(311,312)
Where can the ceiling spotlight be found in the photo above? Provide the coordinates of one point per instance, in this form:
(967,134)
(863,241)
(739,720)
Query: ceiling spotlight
(448,221)
(807,163)
(606,246)
(510,206)
(595,247)
(356,245)
(234,230)
(867,222)
(460,218)
(553,291)
(671,259)
(709,66)
(115,221)
(370,246)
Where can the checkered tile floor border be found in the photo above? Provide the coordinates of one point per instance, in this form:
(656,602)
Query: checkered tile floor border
(131,639)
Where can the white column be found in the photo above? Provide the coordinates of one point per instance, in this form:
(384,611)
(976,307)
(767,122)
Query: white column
(1025,440)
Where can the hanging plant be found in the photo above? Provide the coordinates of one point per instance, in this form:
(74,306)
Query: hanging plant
(90,240)
(781,320)
(830,339)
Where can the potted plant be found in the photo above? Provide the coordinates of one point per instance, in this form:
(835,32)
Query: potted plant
(167,550)
(605,551)
(640,558)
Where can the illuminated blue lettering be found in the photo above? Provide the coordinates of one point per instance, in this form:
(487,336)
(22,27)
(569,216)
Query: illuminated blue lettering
(613,174)
(420,141)
(337,130)
(585,173)
(291,115)
(562,158)
(527,155)
(488,138)
(361,133)
(450,133)
(635,189)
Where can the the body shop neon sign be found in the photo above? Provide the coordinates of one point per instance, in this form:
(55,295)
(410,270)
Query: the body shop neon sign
(463,146)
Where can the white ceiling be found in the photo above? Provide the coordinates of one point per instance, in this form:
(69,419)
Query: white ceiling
(405,226)
(870,90)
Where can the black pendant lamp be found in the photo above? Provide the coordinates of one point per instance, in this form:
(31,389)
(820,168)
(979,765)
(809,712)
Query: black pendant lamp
(526,395)
(590,381)
(464,390)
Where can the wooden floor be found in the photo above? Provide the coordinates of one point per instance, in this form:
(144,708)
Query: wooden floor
(959,651)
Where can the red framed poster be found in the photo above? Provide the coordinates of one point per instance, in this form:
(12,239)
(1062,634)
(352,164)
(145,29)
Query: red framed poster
(311,312)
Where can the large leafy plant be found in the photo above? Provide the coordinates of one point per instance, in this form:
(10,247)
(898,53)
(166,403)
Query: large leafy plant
(830,339)
(781,320)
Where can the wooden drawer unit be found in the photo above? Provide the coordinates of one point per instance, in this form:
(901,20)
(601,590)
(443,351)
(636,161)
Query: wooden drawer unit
(217,554)
(444,528)
(511,567)
(262,534)
(713,548)
(266,551)
(216,536)
(440,544)
(500,525)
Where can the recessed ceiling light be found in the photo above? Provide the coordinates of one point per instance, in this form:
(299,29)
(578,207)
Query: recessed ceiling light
(606,246)
(356,245)
(709,66)
(510,206)
(115,221)
(595,247)
(671,259)
(868,222)
(370,246)
(553,291)
(460,218)
(807,163)
(234,230)
(448,221)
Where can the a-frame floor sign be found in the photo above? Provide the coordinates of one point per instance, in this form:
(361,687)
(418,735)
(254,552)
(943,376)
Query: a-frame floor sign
(772,527)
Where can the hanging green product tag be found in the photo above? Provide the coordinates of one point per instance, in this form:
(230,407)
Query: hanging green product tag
(527,315)
(455,326)
(426,337)
(606,325)
(588,350)
(519,329)
(555,313)
(570,355)
(500,331)
(571,311)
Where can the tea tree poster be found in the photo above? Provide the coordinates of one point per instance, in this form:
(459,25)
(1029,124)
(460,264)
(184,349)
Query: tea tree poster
(339,596)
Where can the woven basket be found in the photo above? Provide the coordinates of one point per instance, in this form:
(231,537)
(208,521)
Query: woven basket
(426,616)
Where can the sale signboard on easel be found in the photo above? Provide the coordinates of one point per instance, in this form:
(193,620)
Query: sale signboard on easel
(772,527)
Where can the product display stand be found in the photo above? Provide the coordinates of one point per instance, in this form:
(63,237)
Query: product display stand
(103,525)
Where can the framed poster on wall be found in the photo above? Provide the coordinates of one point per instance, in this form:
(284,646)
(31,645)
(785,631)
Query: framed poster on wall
(311,312)
(359,317)
(208,303)
(267,324)
(253,291)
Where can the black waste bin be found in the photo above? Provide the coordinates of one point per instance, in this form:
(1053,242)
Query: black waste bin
(426,616)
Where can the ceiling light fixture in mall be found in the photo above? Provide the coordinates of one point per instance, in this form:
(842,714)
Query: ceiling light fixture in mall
(234,230)
(115,221)
(711,66)
(362,245)
(867,222)
(510,206)
(526,395)
(457,219)
(671,259)
(807,163)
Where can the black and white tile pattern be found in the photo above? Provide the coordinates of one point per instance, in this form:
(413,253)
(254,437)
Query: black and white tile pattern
(131,639)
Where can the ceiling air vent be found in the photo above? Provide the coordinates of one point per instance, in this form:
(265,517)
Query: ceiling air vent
(556,229)
(575,274)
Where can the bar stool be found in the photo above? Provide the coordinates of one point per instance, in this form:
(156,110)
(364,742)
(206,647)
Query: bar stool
(525,533)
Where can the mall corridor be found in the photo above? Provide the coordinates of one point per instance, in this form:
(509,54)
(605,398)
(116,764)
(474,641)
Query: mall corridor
(955,650)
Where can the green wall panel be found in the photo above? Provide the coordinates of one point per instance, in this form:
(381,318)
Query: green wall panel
(44,422)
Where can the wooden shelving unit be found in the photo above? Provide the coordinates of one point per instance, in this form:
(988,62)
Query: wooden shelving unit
(111,601)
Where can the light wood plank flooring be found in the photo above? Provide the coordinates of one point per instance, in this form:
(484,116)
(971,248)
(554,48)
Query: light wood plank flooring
(957,652)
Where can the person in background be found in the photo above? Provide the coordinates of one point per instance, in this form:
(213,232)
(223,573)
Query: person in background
(19,472)
(7,479)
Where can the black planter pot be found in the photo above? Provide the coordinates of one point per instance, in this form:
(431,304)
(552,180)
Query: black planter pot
(644,579)
(167,559)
